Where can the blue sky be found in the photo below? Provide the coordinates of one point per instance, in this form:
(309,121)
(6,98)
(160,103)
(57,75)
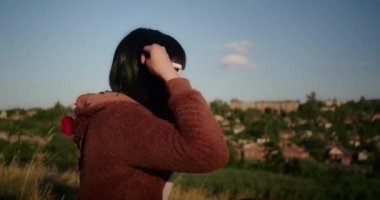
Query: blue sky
(251,50)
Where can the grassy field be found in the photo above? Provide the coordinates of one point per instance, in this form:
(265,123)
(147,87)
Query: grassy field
(262,184)
(36,181)
(41,175)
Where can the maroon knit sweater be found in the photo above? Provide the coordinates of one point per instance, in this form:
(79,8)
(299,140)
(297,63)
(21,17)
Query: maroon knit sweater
(129,153)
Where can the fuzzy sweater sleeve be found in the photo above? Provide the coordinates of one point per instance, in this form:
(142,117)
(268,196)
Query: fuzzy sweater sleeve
(193,144)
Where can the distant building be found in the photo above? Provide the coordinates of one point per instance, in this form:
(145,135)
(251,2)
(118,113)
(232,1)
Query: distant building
(338,153)
(238,128)
(286,134)
(335,154)
(363,155)
(284,137)
(355,140)
(219,118)
(16,116)
(294,151)
(3,114)
(323,122)
(31,113)
(280,106)
(262,140)
(4,135)
(331,105)
(376,117)
(306,134)
(254,151)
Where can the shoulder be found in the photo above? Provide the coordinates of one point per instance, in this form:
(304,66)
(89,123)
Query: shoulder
(125,108)
(122,113)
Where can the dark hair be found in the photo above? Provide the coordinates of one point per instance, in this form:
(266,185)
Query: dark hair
(132,78)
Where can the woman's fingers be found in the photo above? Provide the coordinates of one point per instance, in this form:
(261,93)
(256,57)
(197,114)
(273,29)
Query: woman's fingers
(158,61)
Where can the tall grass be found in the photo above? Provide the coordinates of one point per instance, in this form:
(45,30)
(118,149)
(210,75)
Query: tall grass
(34,179)
(24,182)
(180,193)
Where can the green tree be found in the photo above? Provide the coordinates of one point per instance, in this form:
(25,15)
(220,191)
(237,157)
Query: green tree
(311,108)
(9,151)
(219,107)
(315,146)
(249,118)
(233,161)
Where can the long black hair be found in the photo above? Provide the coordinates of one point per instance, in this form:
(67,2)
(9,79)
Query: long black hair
(129,76)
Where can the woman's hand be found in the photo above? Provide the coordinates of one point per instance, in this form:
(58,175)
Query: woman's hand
(158,62)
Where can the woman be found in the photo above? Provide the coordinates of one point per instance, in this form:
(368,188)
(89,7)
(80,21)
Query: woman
(151,124)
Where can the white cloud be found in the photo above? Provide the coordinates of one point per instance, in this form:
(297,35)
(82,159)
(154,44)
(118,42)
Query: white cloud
(238,58)
(236,61)
(240,47)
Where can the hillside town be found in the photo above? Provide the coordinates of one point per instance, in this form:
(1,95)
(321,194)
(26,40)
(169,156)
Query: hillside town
(327,131)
